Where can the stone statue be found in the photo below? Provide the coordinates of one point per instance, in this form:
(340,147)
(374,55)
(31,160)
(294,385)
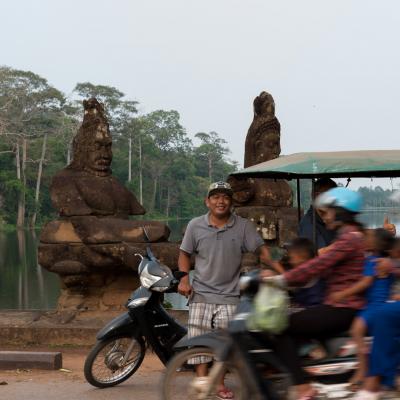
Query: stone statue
(262,144)
(75,189)
(264,201)
(263,140)
(93,243)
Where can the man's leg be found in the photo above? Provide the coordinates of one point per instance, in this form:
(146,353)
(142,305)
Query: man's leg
(200,322)
(223,314)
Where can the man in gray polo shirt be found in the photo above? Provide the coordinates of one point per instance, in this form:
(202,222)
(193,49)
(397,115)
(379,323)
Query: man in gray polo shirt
(217,241)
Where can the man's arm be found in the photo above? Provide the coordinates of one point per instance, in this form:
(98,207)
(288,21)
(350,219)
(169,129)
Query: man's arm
(254,243)
(265,259)
(184,287)
(187,248)
(358,287)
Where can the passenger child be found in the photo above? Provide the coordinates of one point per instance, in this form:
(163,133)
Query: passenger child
(299,251)
(378,242)
(395,256)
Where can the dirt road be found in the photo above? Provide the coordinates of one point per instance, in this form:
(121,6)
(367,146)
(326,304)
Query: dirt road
(70,384)
(59,385)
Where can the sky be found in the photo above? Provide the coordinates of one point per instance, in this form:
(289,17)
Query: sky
(332,66)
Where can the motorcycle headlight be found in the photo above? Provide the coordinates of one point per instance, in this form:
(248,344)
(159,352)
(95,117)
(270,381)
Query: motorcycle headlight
(147,280)
(151,272)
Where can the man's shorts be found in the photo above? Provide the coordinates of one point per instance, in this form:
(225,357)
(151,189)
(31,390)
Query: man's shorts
(203,318)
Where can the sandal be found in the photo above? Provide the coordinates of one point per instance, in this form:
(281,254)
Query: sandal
(225,394)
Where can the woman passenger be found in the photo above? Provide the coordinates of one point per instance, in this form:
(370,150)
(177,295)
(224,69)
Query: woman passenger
(341,266)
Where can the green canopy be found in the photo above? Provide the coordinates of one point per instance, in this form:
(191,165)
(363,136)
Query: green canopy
(335,164)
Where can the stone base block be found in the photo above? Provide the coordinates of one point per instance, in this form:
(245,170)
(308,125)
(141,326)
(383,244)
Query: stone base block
(276,225)
(30,359)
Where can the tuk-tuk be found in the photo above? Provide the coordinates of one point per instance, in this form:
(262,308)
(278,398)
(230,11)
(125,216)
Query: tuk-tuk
(335,164)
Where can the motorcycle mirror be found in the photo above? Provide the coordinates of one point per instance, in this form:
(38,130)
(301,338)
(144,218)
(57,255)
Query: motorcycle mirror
(146,235)
(139,255)
(150,254)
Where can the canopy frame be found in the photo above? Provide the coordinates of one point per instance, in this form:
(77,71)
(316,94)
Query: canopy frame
(339,164)
(363,164)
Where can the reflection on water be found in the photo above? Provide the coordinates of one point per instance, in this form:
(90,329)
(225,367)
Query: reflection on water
(25,285)
(374,218)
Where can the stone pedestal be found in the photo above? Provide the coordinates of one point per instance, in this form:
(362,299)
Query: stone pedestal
(92,245)
(277,226)
(266,202)
(91,279)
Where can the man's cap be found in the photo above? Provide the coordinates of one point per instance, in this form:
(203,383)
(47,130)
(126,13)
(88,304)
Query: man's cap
(220,186)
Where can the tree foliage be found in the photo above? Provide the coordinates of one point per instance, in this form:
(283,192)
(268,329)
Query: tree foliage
(152,151)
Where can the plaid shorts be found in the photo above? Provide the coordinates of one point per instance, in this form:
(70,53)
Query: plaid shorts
(203,318)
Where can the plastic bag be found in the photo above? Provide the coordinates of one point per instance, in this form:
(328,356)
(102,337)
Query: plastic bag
(270,310)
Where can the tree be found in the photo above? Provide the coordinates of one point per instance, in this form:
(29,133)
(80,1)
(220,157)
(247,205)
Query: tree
(212,150)
(164,138)
(117,108)
(28,105)
(152,153)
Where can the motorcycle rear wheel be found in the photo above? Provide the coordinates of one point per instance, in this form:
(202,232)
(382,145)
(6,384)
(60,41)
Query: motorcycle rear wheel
(179,380)
(103,366)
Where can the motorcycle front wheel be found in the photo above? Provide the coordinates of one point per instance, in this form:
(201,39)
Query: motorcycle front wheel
(181,383)
(109,363)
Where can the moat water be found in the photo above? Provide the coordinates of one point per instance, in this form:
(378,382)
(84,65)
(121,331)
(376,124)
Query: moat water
(26,285)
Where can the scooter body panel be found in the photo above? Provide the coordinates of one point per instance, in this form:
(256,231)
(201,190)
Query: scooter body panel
(213,340)
(160,329)
(121,325)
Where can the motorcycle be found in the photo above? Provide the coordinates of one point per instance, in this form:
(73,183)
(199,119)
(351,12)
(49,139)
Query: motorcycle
(247,361)
(121,344)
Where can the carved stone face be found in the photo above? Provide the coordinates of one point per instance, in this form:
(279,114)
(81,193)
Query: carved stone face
(264,105)
(99,153)
(267,147)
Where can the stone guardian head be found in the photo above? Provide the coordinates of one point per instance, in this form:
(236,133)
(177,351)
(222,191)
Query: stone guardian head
(92,144)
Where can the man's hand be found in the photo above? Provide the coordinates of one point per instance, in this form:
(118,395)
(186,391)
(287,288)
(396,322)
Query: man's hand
(391,228)
(185,288)
(265,259)
(265,256)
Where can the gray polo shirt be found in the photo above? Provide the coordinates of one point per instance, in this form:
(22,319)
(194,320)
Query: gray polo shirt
(218,255)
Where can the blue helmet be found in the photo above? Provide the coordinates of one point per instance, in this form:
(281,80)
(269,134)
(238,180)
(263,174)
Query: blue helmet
(340,197)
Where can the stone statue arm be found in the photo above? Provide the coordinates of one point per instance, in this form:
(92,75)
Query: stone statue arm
(131,204)
(136,207)
(67,199)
